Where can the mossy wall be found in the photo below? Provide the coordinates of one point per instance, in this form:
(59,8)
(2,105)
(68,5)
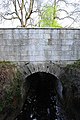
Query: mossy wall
(71,90)
(10,89)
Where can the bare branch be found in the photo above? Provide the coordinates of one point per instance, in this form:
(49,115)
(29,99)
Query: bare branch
(60,10)
(65,17)
(21,9)
(62,1)
(11,18)
(10,13)
(30,11)
(16,12)
(73,22)
(18,4)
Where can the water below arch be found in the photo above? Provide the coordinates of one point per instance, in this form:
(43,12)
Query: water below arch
(41,102)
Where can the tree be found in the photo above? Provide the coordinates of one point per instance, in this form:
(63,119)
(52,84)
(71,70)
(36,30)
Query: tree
(17,9)
(67,12)
(48,17)
(24,11)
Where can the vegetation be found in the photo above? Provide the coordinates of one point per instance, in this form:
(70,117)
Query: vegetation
(74,65)
(26,12)
(10,86)
(20,10)
(71,90)
(48,17)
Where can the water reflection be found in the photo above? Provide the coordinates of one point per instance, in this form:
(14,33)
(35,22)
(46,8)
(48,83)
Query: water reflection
(37,109)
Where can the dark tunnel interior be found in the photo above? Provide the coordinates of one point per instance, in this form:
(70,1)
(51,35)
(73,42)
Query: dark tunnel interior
(43,84)
(40,103)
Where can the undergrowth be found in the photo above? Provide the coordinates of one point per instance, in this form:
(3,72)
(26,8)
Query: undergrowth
(10,85)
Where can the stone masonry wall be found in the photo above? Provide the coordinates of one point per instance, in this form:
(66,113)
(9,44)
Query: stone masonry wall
(37,44)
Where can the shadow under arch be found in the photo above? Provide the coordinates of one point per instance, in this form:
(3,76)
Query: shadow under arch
(40,97)
(41,81)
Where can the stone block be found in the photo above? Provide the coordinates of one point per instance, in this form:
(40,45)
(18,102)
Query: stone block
(46,36)
(67,42)
(66,47)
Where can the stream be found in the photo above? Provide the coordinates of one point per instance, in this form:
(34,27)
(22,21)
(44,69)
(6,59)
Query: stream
(36,108)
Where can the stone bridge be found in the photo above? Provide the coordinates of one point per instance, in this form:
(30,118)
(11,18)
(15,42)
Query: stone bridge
(43,52)
(40,49)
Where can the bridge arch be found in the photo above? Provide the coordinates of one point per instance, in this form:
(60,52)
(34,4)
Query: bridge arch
(42,88)
(48,67)
(34,71)
(50,70)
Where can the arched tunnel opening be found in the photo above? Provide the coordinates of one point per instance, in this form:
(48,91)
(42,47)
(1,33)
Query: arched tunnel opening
(41,98)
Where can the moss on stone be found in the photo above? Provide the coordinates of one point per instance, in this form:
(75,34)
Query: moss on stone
(10,86)
(76,64)
(71,89)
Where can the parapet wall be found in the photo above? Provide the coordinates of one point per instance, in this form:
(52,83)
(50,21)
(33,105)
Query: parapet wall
(37,44)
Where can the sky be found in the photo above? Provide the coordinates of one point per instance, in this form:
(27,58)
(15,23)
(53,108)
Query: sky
(64,23)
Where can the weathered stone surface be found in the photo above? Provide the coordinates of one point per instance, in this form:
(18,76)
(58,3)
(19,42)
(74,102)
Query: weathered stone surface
(47,67)
(39,44)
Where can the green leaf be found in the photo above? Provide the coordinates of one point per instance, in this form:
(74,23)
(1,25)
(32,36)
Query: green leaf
(48,17)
